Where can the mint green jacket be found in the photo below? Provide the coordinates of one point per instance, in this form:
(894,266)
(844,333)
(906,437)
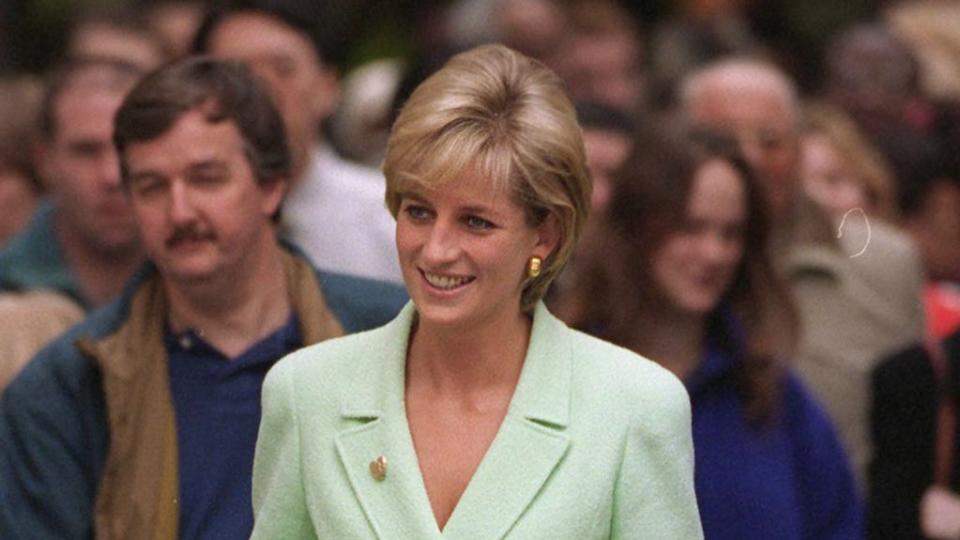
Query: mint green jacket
(596,443)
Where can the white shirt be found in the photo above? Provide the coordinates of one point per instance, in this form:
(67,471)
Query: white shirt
(337,215)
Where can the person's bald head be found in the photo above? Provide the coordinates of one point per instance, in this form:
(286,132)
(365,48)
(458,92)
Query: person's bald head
(758,104)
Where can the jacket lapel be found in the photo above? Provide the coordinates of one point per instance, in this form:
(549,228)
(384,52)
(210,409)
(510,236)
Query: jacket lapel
(527,448)
(396,506)
(530,443)
(137,494)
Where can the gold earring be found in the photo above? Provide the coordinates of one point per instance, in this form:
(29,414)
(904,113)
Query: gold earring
(534,266)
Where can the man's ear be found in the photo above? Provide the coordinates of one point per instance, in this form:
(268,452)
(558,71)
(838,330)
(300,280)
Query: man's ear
(326,92)
(273,194)
(548,236)
(40,152)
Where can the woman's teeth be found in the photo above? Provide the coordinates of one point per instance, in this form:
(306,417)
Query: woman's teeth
(445,282)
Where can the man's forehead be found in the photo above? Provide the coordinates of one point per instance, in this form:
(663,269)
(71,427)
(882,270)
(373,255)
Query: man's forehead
(79,109)
(193,137)
(253,33)
(98,79)
(737,102)
(91,94)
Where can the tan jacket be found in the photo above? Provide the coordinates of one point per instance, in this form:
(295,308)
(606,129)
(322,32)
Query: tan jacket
(858,298)
(137,496)
(28,321)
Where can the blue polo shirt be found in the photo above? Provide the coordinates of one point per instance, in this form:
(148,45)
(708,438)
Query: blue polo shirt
(216,401)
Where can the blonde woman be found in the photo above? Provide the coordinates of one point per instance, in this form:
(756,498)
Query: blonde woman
(839,168)
(476,413)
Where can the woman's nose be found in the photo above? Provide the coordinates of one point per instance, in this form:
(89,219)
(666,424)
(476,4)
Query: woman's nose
(442,244)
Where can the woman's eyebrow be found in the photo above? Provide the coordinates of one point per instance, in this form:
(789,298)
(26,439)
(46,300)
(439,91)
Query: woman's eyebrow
(411,195)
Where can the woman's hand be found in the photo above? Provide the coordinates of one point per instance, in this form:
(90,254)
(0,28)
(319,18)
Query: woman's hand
(940,513)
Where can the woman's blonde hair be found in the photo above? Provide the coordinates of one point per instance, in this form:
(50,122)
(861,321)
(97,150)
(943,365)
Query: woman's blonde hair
(495,115)
(867,166)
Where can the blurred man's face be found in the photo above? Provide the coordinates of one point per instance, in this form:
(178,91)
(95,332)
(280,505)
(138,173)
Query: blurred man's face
(101,40)
(759,115)
(936,229)
(606,151)
(603,69)
(82,170)
(303,88)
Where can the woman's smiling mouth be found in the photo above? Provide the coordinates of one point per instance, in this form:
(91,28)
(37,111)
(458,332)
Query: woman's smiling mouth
(445,283)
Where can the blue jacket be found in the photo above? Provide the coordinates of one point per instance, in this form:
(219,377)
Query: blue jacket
(33,259)
(93,409)
(788,479)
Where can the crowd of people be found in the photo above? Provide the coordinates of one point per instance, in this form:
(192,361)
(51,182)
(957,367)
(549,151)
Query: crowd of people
(608,278)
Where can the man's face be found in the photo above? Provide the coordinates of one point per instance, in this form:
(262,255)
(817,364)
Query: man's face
(606,151)
(759,115)
(201,212)
(303,88)
(81,167)
(936,229)
(602,69)
(102,40)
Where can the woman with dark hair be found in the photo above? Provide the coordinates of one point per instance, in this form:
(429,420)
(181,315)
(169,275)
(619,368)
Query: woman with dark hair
(685,279)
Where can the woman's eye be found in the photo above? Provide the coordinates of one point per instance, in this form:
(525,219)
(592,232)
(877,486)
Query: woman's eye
(417,213)
(475,222)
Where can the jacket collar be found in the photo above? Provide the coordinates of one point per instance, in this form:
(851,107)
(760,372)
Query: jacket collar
(724,348)
(527,448)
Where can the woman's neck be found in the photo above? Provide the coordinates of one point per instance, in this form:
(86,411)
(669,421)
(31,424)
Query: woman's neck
(673,339)
(472,360)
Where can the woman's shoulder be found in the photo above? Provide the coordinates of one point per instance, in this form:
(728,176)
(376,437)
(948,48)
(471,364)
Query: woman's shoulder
(627,379)
(620,362)
(336,357)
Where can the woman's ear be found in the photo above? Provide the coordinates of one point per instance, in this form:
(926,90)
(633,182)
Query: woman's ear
(548,237)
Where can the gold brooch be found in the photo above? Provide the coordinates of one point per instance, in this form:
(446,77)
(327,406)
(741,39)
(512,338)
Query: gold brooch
(378,468)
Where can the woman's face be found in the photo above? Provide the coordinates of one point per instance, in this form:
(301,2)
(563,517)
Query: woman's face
(696,264)
(464,250)
(826,178)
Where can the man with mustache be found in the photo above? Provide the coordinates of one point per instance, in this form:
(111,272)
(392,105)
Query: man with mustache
(141,421)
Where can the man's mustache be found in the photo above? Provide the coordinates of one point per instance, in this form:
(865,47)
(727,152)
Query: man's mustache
(189,234)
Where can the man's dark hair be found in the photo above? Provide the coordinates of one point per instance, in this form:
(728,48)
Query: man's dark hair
(604,117)
(223,91)
(922,159)
(119,76)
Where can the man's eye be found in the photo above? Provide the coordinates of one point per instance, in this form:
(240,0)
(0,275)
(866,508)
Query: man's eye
(284,68)
(147,187)
(207,179)
(86,150)
(479,223)
(771,140)
(693,226)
